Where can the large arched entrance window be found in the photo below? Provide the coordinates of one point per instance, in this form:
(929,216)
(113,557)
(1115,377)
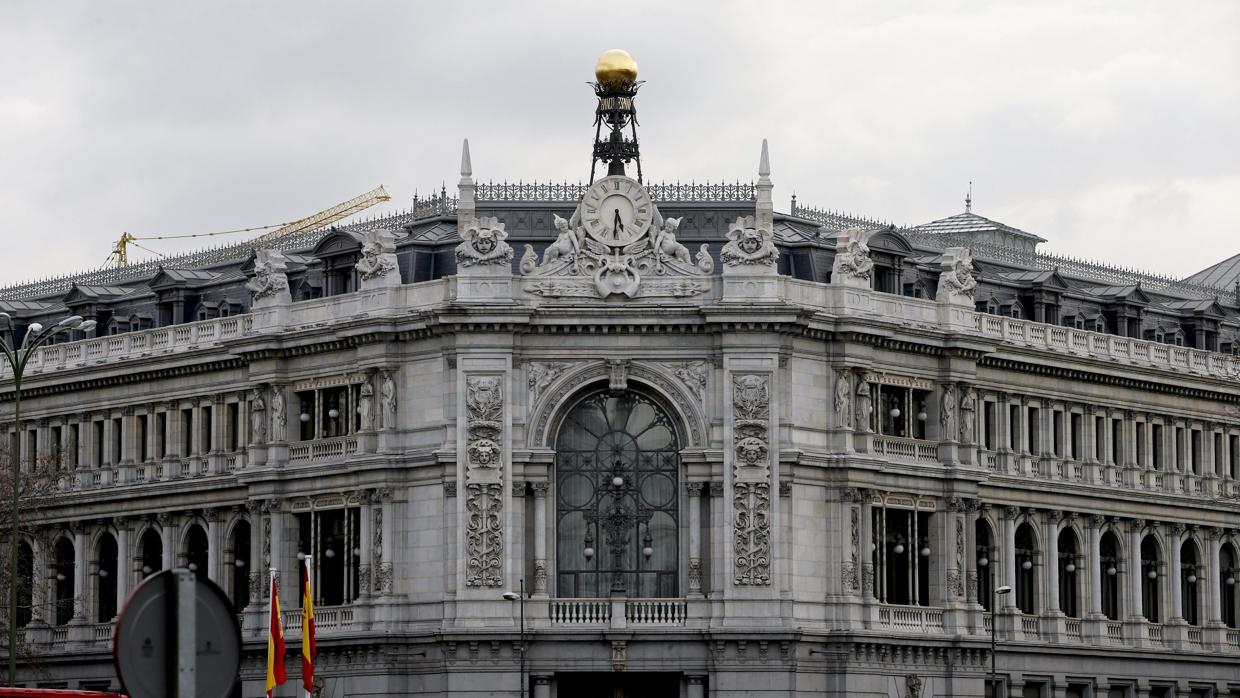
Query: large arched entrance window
(617,469)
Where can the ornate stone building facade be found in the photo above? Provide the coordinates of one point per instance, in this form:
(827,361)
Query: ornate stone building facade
(725,451)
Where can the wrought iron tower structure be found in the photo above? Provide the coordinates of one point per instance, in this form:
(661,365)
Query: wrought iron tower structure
(616,87)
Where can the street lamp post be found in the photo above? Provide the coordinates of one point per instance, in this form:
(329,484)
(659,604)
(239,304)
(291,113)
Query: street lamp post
(17,356)
(994,617)
(511,596)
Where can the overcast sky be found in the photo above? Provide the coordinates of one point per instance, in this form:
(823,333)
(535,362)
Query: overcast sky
(1109,128)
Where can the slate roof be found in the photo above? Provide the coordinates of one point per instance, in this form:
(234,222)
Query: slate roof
(969,222)
(1225,274)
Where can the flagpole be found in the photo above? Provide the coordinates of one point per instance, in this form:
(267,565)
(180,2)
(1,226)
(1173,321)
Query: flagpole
(305,625)
(271,600)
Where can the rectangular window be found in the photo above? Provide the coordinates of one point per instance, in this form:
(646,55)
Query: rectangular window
(234,432)
(143,430)
(1218,454)
(161,434)
(988,425)
(1233,447)
(99,444)
(1013,426)
(1156,434)
(207,443)
(332,540)
(187,432)
(1180,456)
(74,439)
(1035,431)
(1057,433)
(1117,441)
(57,440)
(117,441)
(1142,459)
(1194,444)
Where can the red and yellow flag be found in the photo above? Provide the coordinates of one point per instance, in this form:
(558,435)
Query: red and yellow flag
(308,648)
(275,642)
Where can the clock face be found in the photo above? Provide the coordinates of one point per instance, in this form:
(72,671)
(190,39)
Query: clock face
(616,211)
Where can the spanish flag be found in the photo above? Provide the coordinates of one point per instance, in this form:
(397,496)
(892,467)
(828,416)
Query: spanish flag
(308,648)
(275,642)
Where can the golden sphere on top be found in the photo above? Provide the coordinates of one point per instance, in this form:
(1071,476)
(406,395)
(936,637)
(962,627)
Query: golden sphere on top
(615,68)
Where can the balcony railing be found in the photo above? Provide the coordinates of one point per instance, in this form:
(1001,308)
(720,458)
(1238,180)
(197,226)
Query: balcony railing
(1031,627)
(322,449)
(636,611)
(1072,628)
(912,450)
(911,618)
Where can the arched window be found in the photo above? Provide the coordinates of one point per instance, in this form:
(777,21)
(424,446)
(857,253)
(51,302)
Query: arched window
(105,587)
(985,564)
(617,473)
(151,553)
(1109,549)
(1026,569)
(66,570)
(196,554)
(1189,594)
(25,576)
(241,565)
(1069,572)
(1227,583)
(1149,579)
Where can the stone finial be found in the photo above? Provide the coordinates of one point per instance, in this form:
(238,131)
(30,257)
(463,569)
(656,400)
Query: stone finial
(764,161)
(465,208)
(764,205)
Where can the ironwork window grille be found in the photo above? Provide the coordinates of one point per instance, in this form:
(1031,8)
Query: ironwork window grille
(617,473)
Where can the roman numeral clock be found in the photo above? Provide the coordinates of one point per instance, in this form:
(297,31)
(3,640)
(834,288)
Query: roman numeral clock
(616,211)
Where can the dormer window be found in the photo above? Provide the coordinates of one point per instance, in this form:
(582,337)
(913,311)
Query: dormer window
(1016,312)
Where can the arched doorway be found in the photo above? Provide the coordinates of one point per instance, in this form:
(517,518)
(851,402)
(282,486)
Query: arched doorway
(105,591)
(65,566)
(196,550)
(240,575)
(1068,558)
(617,514)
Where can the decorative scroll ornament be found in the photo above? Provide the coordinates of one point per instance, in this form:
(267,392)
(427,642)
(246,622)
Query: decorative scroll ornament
(749,245)
(484,487)
(378,257)
(541,374)
(616,243)
(692,374)
(751,487)
(483,243)
(269,275)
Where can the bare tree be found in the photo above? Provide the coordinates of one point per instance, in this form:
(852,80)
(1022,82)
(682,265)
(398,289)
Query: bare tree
(38,486)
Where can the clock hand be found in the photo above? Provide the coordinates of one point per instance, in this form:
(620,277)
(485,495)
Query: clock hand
(617,225)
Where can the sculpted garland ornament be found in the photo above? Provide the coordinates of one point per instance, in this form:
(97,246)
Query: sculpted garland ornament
(484,487)
(751,487)
(616,243)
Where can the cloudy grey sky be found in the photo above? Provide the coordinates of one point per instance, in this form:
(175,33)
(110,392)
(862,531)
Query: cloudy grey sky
(1109,128)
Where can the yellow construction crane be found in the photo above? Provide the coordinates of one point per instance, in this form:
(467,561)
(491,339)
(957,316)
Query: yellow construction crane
(319,220)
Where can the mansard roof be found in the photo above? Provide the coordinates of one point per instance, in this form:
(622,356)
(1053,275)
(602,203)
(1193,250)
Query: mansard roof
(971,223)
(1036,277)
(1225,274)
(1130,293)
(1196,307)
(178,277)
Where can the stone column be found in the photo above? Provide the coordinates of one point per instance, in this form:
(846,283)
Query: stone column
(1009,556)
(79,574)
(540,537)
(172,430)
(1176,599)
(129,436)
(257,571)
(694,490)
(695,686)
(167,535)
(365,565)
(109,437)
(384,568)
(867,547)
(1096,523)
(1215,573)
(214,544)
(1135,573)
(1051,528)
(124,566)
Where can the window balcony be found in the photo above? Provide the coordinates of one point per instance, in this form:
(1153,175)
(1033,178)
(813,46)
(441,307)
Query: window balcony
(336,448)
(918,619)
(904,449)
(619,613)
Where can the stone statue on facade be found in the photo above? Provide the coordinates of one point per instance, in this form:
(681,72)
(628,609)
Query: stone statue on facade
(968,408)
(387,396)
(270,279)
(865,407)
(853,262)
(749,246)
(258,417)
(378,258)
(279,416)
(947,410)
(956,280)
(843,398)
(365,406)
(482,243)
(567,245)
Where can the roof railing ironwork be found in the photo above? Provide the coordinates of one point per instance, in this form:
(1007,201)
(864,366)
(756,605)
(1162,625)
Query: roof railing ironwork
(834,219)
(677,192)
